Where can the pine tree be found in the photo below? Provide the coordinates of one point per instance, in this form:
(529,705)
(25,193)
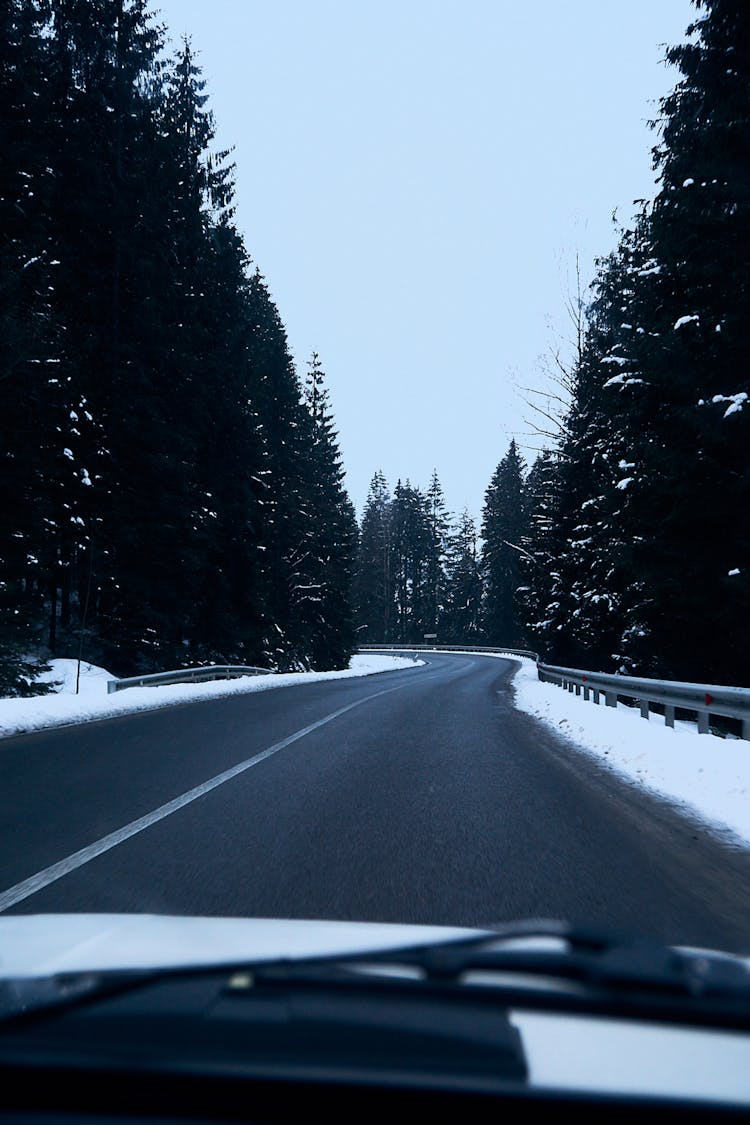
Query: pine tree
(541,550)
(675,408)
(287,435)
(373,585)
(169,497)
(412,546)
(439,522)
(228,619)
(502,527)
(593,566)
(334,530)
(28,357)
(692,478)
(102,138)
(460,621)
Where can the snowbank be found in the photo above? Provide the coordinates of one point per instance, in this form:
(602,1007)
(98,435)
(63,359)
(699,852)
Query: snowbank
(92,702)
(63,673)
(707,775)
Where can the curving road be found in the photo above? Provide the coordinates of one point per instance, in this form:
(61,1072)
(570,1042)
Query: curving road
(414,796)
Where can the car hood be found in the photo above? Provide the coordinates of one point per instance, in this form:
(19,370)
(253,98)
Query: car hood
(563,1051)
(46,944)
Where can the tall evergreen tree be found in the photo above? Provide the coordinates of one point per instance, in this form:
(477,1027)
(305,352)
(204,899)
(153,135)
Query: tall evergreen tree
(460,621)
(650,569)
(412,549)
(502,528)
(439,524)
(373,586)
(592,565)
(691,477)
(170,497)
(540,557)
(287,517)
(332,541)
(32,407)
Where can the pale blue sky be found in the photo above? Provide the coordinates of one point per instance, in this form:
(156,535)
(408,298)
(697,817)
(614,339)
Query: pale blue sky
(414,180)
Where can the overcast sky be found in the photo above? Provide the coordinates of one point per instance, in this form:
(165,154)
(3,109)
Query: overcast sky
(414,180)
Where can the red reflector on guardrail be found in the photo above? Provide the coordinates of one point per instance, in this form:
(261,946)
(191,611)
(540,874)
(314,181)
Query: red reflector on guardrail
(709,698)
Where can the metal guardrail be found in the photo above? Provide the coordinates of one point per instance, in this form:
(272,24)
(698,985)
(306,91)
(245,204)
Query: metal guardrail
(187,676)
(448,648)
(703,700)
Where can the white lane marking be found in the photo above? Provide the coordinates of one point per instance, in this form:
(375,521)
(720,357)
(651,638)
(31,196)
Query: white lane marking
(56,871)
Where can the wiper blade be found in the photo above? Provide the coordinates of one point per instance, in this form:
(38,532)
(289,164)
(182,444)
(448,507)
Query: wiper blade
(578,967)
(544,964)
(590,957)
(641,964)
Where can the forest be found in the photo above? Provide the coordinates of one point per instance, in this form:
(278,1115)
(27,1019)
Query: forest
(173,487)
(626,545)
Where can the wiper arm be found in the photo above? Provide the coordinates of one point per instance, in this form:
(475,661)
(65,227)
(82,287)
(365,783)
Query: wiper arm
(27,997)
(612,960)
(587,969)
(640,964)
(583,970)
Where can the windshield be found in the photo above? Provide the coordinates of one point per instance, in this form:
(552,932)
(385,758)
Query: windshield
(374,420)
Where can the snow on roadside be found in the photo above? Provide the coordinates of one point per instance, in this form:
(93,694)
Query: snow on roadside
(707,775)
(63,674)
(17,716)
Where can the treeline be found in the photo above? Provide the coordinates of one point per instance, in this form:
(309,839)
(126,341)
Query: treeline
(172,491)
(418,568)
(627,545)
(639,541)
(422,571)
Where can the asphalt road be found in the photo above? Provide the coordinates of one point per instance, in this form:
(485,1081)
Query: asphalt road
(427,799)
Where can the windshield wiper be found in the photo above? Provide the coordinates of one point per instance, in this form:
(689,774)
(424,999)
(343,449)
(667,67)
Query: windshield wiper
(577,969)
(24,997)
(534,964)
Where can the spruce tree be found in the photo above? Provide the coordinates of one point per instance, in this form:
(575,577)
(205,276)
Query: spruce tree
(691,484)
(168,495)
(439,523)
(502,527)
(31,403)
(412,547)
(333,539)
(287,517)
(460,621)
(373,584)
(539,562)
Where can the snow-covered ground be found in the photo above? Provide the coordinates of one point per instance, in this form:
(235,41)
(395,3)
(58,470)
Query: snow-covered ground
(708,776)
(92,701)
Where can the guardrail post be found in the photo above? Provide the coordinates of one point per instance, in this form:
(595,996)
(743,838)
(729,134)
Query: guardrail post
(643,704)
(669,716)
(586,692)
(595,694)
(610,698)
(745,732)
(578,689)
(703,727)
